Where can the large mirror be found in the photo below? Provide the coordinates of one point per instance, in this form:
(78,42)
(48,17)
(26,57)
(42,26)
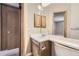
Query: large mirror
(61,19)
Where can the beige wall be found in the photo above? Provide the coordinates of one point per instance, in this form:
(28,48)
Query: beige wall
(74,21)
(24,33)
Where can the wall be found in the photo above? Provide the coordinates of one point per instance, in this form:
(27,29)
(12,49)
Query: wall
(25,47)
(74,26)
(32,8)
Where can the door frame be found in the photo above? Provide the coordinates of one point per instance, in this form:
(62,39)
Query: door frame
(65,22)
(22,29)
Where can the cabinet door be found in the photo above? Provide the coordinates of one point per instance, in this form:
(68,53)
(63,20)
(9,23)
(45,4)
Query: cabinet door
(45,48)
(10,27)
(0,27)
(35,48)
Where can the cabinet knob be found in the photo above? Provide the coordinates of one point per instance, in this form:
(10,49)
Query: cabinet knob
(43,48)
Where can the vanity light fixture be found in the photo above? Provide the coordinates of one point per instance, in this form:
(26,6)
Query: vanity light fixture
(42,5)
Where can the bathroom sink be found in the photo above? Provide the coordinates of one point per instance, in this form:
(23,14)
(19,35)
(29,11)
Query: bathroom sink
(40,37)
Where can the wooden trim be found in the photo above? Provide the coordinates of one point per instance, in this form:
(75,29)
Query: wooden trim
(31,46)
(65,24)
(22,29)
(0,26)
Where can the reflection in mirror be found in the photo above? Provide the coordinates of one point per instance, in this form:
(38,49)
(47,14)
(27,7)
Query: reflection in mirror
(59,23)
(63,19)
(67,14)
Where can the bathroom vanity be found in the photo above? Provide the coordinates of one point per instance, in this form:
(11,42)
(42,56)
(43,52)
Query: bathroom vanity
(41,48)
(54,45)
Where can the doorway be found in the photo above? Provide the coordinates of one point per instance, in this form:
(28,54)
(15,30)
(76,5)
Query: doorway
(60,24)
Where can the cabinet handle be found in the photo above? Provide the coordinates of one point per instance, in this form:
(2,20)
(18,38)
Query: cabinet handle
(8,32)
(43,48)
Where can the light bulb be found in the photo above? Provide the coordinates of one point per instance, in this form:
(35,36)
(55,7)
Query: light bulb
(39,7)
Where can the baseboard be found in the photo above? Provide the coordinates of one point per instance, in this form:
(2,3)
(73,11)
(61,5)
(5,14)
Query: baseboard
(29,54)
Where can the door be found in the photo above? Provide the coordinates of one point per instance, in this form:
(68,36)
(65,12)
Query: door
(0,26)
(11,27)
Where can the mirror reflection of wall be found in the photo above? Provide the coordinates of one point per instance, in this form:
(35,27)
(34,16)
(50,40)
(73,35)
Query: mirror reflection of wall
(74,25)
(59,23)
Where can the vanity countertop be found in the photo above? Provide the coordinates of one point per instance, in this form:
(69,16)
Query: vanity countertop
(74,43)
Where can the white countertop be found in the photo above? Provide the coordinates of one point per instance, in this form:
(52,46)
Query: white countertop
(74,43)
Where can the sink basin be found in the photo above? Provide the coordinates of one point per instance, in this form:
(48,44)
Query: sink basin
(40,35)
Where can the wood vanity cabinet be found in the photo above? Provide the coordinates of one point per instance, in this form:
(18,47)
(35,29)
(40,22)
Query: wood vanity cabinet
(41,48)
(45,48)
